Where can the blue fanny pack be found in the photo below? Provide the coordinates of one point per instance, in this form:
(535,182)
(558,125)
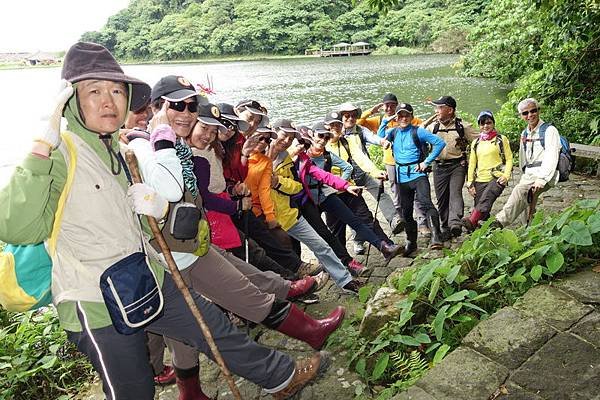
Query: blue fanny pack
(131,293)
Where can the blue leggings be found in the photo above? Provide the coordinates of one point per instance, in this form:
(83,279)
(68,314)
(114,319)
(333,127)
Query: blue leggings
(336,208)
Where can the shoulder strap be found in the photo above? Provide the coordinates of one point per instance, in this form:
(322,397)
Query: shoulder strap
(475,144)
(500,143)
(71,161)
(542,134)
(417,142)
(460,128)
(328,163)
(436,127)
(344,143)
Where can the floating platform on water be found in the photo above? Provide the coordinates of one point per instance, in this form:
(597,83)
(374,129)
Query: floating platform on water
(342,50)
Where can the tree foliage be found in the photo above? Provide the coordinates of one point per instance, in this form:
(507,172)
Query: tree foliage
(186,29)
(551,49)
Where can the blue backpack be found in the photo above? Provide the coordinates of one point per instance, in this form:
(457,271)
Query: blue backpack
(26,270)
(566,158)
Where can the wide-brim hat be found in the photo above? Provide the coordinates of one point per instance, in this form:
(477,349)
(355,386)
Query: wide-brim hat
(349,107)
(209,114)
(85,60)
(228,113)
(264,127)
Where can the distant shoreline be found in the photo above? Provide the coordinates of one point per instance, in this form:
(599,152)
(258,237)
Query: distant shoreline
(216,59)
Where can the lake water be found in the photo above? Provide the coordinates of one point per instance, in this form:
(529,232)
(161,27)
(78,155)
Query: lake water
(303,89)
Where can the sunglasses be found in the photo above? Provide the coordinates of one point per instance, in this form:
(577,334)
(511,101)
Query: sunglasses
(325,136)
(527,112)
(264,139)
(182,105)
(228,124)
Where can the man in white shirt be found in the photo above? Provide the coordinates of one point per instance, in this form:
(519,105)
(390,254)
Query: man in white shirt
(538,158)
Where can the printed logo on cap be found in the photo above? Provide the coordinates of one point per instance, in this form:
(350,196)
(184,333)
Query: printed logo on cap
(215,111)
(334,115)
(183,81)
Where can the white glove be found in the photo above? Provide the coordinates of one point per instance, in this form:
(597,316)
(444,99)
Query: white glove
(144,200)
(51,121)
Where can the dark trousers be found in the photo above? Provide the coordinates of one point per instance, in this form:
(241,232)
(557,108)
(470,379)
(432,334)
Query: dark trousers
(448,181)
(122,360)
(486,194)
(338,215)
(258,257)
(312,215)
(422,190)
(277,250)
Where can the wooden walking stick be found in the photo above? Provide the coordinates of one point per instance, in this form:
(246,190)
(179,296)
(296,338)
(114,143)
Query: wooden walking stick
(135,175)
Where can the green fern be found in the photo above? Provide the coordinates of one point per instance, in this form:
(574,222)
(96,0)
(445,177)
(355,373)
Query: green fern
(407,369)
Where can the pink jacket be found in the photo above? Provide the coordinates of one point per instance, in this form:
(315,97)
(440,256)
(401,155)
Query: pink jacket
(306,167)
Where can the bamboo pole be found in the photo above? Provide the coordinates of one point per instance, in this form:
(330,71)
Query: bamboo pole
(135,174)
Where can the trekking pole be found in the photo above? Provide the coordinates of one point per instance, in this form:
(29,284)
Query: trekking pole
(379,193)
(246,218)
(532,198)
(135,174)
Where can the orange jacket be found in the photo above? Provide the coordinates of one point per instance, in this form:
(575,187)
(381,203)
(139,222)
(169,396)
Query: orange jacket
(260,170)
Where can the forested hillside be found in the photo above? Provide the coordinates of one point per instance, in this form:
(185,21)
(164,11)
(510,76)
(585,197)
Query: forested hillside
(187,29)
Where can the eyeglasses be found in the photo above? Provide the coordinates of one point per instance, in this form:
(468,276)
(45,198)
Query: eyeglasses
(264,139)
(182,105)
(527,112)
(325,136)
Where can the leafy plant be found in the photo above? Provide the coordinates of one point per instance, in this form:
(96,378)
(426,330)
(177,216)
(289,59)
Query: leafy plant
(446,297)
(36,360)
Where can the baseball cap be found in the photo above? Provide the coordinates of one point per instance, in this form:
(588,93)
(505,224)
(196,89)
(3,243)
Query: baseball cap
(319,127)
(176,88)
(284,125)
(264,127)
(485,114)
(333,116)
(228,112)
(255,108)
(208,114)
(445,101)
(390,98)
(404,107)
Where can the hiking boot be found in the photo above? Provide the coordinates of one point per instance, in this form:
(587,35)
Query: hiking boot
(301,326)
(166,377)
(306,371)
(424,231)
(321,279)
(188,384)
(389,250)
(302,287)
(433,219)
(353,286)
(411,239)
(455,231)
(359,248)
(496,224)
(356,269)
(468,225)
(309,269)
(397,224)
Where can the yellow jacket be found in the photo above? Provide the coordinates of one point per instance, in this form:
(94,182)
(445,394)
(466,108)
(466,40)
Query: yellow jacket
(485,163)
(287,216)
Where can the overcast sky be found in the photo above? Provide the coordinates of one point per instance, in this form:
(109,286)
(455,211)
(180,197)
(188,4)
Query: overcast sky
(51,25)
